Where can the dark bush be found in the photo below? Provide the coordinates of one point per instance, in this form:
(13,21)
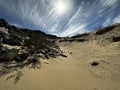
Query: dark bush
(116,39)
(11,41)
(105,30)
(81,40)
(80,35)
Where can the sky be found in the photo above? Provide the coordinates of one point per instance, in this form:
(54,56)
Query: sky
(61,17)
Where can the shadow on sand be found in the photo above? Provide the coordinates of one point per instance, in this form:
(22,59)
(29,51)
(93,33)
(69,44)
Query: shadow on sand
(13,70)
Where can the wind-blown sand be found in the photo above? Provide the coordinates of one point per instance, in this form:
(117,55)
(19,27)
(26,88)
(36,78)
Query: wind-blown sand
(74,72)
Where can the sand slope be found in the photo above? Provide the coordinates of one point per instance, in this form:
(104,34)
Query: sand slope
(74,72)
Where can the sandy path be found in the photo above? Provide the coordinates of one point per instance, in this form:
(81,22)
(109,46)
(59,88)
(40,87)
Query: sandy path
(74,72)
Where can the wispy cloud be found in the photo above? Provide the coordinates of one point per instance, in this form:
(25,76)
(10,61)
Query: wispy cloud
(109,2)
(107,22)
(80,16)
(17,25)
(117,19)
(73,30)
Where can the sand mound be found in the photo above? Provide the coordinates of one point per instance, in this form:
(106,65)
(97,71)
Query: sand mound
(72,73)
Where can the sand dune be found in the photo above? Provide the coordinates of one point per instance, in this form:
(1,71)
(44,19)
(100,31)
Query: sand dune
(90,61)
(74,72)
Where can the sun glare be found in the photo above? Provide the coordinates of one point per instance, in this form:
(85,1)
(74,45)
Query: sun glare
(61,7)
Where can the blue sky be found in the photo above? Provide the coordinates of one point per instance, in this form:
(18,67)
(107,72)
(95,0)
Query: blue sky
(61,17)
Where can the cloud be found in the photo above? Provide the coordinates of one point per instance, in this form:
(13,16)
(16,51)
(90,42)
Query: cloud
(80,16)
(108,2)
(17,25)
(75,16)
(73,30)
(107,22)
(117,19)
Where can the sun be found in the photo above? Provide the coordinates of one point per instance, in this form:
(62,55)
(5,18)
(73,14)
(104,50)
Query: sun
(61,7)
